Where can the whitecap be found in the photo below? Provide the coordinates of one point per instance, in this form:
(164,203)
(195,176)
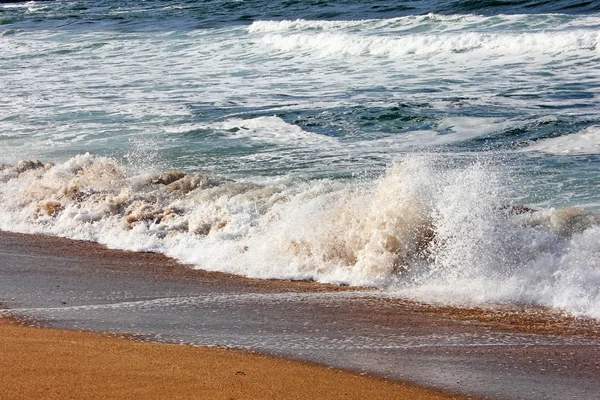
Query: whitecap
(586,141)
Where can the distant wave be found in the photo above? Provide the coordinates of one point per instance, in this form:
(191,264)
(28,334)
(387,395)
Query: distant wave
(525,22)
(433,34)
(428,231)
(344,44)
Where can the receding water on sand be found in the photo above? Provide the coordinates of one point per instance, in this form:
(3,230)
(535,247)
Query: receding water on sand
(83,286)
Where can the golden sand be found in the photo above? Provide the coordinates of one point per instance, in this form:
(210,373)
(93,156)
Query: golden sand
(60,364)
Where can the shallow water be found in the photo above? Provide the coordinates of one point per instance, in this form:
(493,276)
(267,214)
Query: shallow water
(447,151)
(62,284)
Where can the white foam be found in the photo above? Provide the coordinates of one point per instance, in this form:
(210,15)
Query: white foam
(300,24)
(395,38)
(471,127)
(19,5)
(385,25)
(346,44)
(262,129)
(426,229)
(585,142)
(435,22)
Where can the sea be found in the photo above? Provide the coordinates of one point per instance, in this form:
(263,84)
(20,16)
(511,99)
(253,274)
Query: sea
(446,152)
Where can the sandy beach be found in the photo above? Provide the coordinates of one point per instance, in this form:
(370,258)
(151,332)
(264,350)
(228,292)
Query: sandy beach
(501,352)
(300,199)
(60,364)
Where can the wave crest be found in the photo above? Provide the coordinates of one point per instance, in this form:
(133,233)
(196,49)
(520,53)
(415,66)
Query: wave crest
(429,230)
(335,44)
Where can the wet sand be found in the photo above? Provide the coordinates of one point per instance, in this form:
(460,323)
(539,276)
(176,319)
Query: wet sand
(59,364)
(495,352)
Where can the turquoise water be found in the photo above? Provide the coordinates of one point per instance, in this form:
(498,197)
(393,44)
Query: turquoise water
(370,143)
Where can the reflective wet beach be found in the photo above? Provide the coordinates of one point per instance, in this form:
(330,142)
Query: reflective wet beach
(80,285)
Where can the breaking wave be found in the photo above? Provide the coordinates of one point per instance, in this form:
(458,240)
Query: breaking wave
(269,129)
(586,141)
(427,229)
(433,34)
(349,44)
(434,22)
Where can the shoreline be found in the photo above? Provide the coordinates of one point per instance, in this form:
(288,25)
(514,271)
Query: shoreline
(52,363)
(61,283)
(500,317)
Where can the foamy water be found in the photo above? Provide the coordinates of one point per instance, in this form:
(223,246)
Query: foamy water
(425,229)
(448,155)
(585,142)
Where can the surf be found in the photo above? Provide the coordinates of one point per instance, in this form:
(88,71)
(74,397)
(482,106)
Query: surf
(426,229)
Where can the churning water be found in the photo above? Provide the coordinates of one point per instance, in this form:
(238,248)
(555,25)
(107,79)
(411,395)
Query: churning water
(448,151)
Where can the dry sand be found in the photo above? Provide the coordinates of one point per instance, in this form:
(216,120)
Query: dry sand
(60,364)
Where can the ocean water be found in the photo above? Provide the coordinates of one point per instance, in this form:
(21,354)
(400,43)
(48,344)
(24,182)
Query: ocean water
(444,151)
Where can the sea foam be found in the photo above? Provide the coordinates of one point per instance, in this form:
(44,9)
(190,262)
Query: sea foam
(432,35)
(269,129)
(586,141)
(425,229)
(348,44)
